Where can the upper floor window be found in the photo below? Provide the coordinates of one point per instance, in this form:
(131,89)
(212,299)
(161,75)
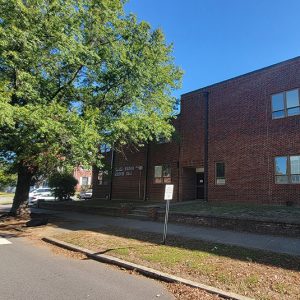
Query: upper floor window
(287,169)
(285,104)
(162,174)
(220,173)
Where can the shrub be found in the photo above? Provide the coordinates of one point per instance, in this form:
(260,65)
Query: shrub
(7,178)
(64,185)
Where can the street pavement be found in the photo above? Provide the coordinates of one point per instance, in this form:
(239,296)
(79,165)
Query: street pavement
(30,272)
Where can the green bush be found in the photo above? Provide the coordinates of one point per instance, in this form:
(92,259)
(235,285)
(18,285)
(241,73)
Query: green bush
(64,185)
(7,178)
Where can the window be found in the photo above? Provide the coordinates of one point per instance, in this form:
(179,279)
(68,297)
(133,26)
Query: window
(220,173)
(287,169)
(162,174)
(84,181)
(285,104)
(102,177)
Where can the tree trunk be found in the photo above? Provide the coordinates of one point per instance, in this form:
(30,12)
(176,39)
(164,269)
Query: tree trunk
(20,202)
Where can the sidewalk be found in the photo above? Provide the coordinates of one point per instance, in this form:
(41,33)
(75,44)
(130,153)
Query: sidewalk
(275,244)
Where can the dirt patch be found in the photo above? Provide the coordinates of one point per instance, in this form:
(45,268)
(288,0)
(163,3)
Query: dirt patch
(183,292)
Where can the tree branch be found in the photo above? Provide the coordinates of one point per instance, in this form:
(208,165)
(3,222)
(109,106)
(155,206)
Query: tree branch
(68,83)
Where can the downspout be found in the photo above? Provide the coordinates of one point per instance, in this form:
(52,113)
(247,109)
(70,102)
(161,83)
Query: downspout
(179,171)
(206,116)
(178,181)
(112,163)
(146,173)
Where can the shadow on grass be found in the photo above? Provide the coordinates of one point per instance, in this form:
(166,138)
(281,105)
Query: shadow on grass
(113,249)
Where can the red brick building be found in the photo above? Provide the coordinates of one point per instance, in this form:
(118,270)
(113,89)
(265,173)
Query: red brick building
(239,140)
(84,177)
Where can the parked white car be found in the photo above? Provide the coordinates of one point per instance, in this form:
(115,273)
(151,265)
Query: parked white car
(86,195)
(45,194)
(40,191)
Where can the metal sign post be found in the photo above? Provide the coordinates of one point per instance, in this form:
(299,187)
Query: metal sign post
(168,197)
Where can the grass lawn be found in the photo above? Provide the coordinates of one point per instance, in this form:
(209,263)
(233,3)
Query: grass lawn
(4,194)
(6,198)
(240,210)
(252,273)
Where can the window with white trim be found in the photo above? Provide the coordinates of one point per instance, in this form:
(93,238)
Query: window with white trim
(285,104)
(84,181)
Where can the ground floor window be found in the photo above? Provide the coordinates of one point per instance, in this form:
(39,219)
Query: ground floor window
(287,169)
(162,174)
(220,173)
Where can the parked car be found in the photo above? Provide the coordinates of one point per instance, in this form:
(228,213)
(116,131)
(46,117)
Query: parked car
(45,194)
(40,191)
(86,195)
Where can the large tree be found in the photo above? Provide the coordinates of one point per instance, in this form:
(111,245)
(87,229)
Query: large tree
(75,74)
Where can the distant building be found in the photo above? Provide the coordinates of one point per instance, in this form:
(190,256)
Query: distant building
(84,177)
(238,141)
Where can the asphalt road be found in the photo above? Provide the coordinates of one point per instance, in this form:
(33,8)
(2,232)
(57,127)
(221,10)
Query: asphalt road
(30,272)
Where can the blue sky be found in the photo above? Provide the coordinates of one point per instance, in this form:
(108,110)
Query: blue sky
(218,39)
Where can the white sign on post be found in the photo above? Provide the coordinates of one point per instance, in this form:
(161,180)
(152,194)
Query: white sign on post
(169,191)
(168,196)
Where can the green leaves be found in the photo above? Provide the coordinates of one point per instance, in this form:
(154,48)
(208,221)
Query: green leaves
(64,185)
(75,74)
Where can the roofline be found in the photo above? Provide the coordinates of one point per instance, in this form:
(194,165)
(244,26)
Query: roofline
(243,75)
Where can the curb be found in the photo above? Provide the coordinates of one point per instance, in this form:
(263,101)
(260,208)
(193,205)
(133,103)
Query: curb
(144,270)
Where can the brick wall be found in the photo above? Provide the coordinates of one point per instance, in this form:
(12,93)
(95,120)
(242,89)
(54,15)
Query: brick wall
(192,133)
(241,134)
(81,172)
(129,172)
(101,191)
(128,180)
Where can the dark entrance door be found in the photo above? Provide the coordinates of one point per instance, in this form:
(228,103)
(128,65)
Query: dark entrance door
(200,185)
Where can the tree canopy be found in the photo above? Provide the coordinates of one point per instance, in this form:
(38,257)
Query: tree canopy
(76,74)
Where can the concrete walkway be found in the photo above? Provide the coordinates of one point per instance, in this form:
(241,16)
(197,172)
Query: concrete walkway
(276,244)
